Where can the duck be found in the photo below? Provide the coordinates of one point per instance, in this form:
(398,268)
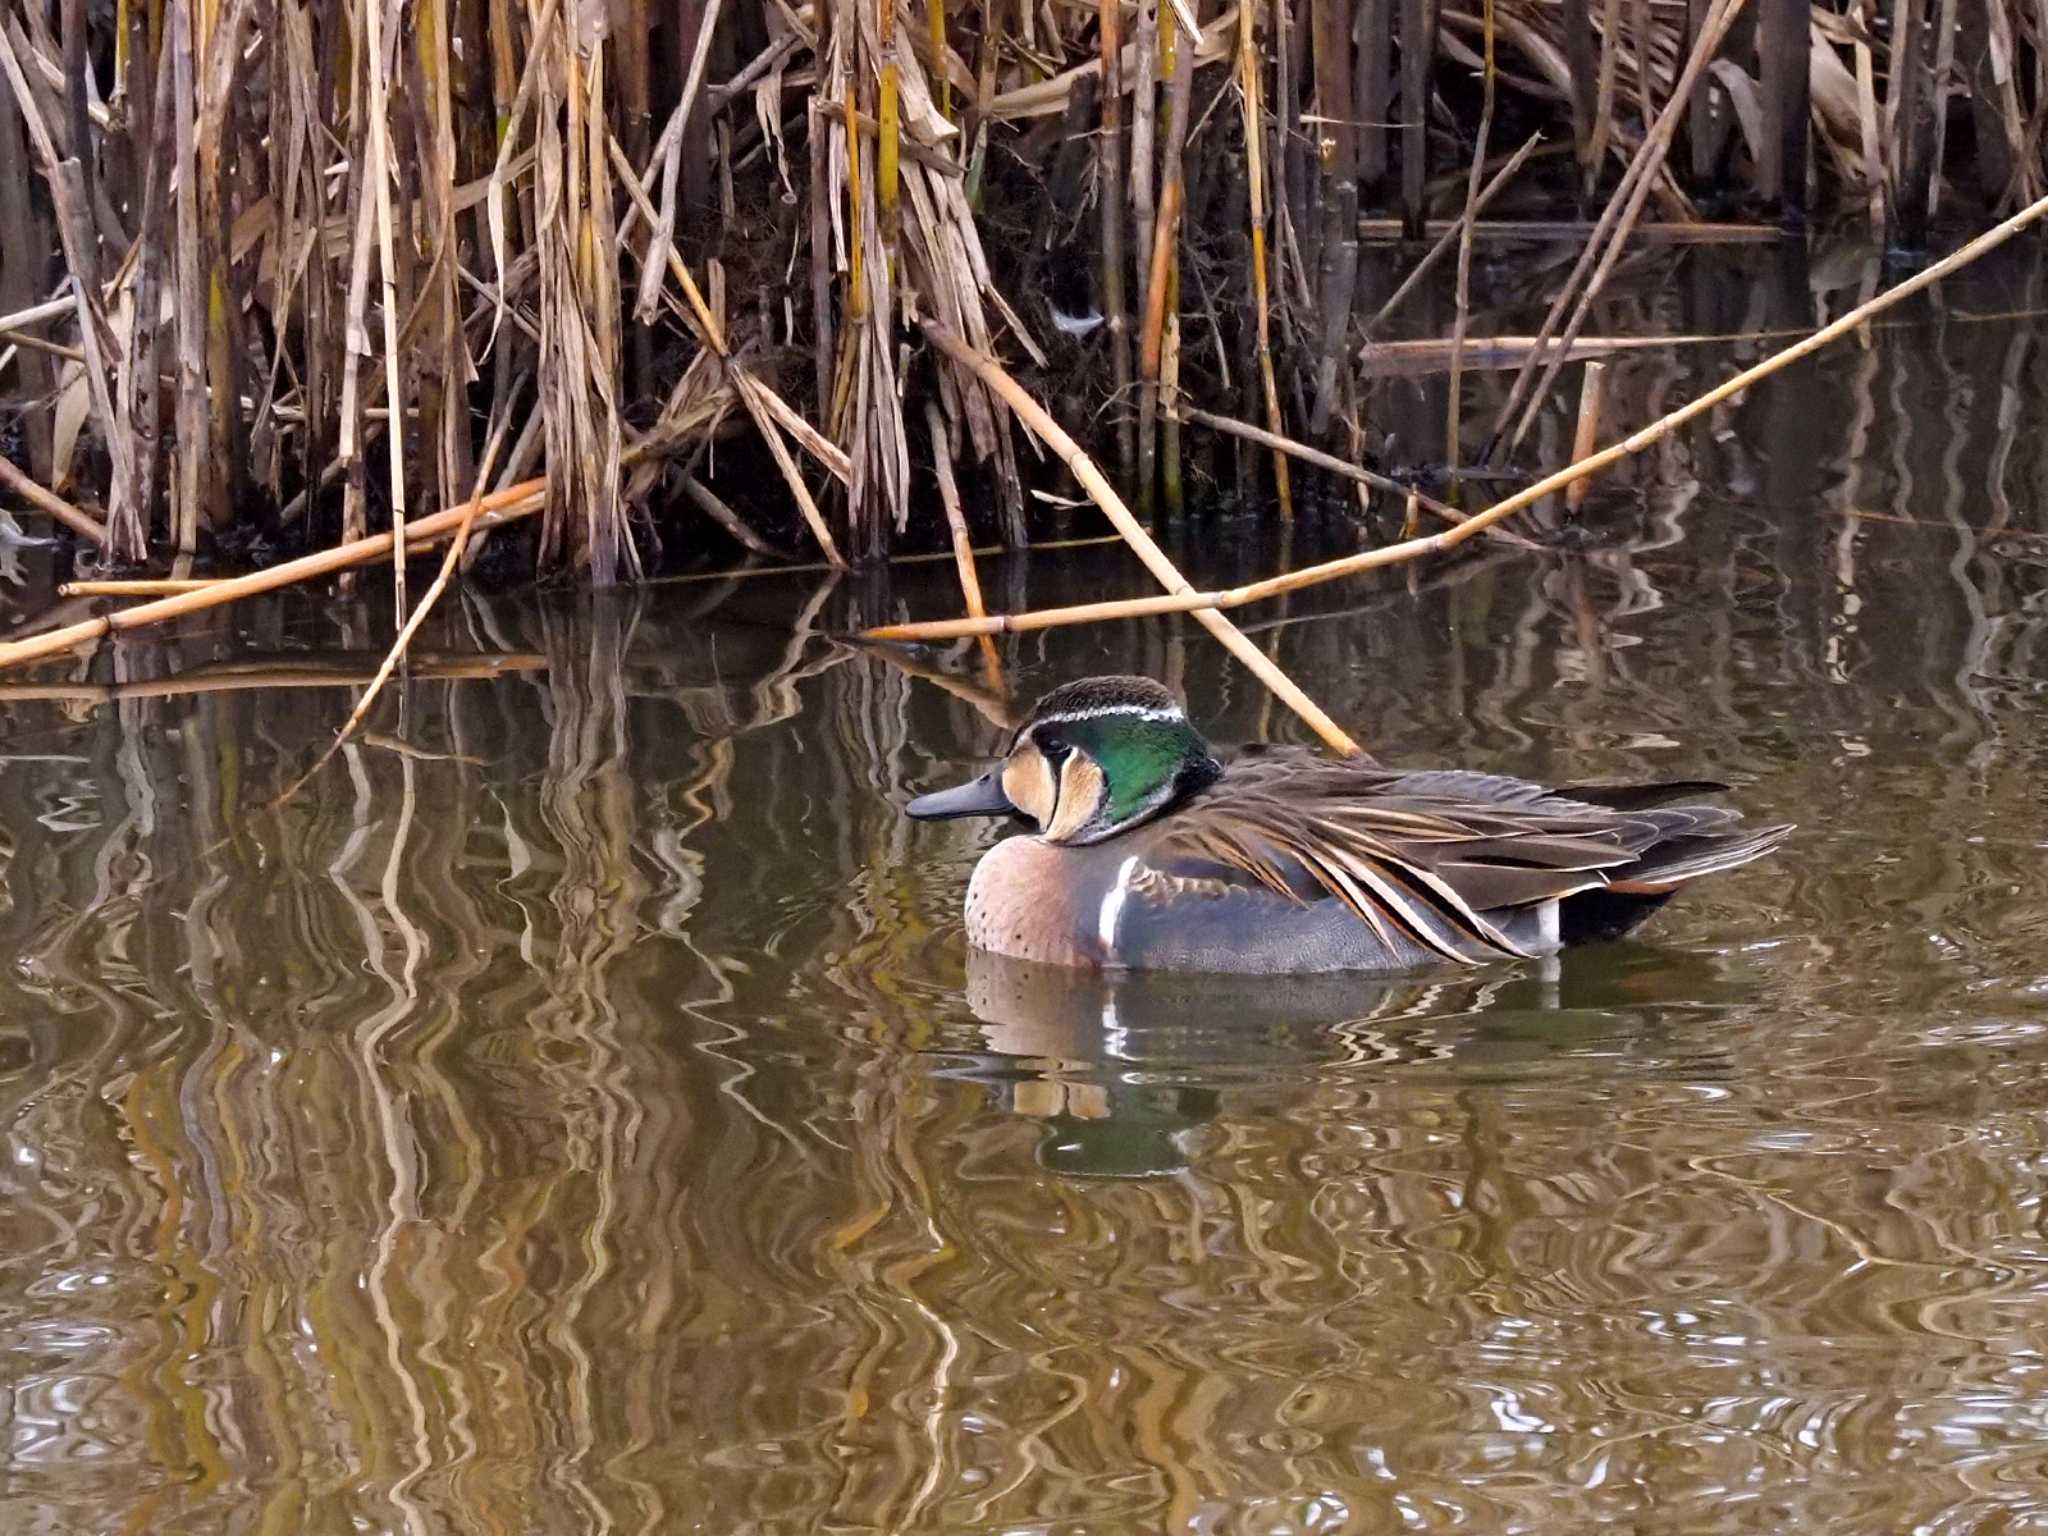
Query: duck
(1143,850)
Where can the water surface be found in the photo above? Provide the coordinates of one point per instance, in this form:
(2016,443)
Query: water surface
(575,1109)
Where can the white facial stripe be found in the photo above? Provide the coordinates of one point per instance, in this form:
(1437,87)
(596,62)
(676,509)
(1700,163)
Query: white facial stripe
(1113,905)
(1128,711)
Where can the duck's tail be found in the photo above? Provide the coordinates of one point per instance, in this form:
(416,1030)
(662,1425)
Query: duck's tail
(1666,866)
(1632,894)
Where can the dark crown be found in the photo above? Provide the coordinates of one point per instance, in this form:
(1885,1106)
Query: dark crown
(1095,696)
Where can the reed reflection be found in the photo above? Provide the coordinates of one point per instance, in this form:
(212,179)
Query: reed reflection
(576,1110)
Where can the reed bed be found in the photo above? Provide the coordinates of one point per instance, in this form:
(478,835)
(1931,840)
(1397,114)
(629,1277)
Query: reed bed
(276,275)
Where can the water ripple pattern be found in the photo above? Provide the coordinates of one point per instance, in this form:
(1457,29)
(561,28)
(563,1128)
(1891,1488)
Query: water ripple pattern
(576,1111)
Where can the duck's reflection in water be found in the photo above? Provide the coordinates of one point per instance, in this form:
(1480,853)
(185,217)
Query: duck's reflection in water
(1123,1068)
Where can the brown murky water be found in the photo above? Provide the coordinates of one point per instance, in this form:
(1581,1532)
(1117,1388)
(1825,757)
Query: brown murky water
(576,1112)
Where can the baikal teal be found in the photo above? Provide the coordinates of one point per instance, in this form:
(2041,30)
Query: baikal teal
(1150,854)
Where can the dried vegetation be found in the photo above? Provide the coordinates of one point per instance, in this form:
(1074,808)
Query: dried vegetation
(309,270)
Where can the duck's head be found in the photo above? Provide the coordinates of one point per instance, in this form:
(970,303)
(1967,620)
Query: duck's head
(1096,758)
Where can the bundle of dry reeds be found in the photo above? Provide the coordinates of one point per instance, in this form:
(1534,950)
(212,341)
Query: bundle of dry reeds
(330,264)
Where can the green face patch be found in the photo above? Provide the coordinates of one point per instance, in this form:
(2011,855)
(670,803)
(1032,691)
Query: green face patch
(1140,757)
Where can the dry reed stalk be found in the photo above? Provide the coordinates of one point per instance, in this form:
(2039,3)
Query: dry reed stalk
(207,680)
(1330,30)
(1180,34)
(1255,198)
(963,545)
(142,382)
(500,507)
(668,159)
(949,500)
(1372,91)
(1944,67)
(1144,211)
(69,194)
(1152,341)
(1182,600)
(1603,97)
(1873,154)
(1592,394)
(1646,79)
(37,344)
(888,170)
(1903,92)
(936,19)
(1418,43)
(1995,105)
(145,587)
(444,359)
(1104,495)
(584,524)
(1582,65)
(1109,197)
(1784,58)
(1643,231)
(1456,390)
(1171,484)
(24,251)
(378,106)
(751,396)
(821,261)
(36,314)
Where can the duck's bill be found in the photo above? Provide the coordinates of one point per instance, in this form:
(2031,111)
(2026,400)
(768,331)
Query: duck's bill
(979,797)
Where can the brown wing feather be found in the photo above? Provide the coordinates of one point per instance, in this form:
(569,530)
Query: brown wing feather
(1431,854)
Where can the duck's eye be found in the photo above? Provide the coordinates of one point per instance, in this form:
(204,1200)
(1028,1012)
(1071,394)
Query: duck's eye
(1054,751)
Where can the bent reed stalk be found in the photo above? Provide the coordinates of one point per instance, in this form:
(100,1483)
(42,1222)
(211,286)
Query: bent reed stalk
(495,510)
(1154,558)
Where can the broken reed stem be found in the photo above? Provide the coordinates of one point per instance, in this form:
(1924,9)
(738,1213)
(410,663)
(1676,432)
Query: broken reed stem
(723,515)
(1203,604)
(501,507)
(36,314)
(412,622)
(81,523)
(925,557)
(1324,461)
(1611,230)
(1083,469)
(1592,393)
(1453,238)
(1452,456)
(1656,145)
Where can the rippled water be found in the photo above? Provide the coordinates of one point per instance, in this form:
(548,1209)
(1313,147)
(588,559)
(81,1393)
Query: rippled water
(575,1111)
